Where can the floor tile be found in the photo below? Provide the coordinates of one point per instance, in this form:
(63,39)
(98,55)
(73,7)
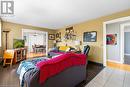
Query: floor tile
(111,78)
(103,76)
(127,80)
(116,79)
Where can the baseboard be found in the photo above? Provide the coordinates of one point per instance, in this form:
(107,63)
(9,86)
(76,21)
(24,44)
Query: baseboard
(127,54)
(113,61)
(100,64)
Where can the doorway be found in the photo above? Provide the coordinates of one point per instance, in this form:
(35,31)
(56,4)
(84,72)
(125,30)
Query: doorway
(126,42)
(120,42)
(36,42)
(127,45)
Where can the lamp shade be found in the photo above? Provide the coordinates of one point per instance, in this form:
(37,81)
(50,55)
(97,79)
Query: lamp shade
(77,42)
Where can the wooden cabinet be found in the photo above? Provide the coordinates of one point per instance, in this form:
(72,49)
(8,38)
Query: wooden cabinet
(20,54)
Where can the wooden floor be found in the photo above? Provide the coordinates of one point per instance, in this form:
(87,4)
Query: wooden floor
(118,66)
(8,76)
(32,55)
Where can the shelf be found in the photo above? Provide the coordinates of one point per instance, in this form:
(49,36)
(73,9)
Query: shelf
(20,54)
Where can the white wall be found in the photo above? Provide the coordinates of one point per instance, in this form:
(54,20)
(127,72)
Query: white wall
(113,51)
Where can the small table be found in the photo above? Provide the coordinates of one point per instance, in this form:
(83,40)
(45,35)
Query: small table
(39,48)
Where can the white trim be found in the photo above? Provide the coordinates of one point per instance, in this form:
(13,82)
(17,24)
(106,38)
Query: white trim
(118,20)
(122,43)
(46,43)
(104,35)
(104,45)
(30,30)
(127,54)
(113,61)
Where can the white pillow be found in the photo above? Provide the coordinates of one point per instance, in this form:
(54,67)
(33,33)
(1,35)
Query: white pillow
(56,55)
(68,49)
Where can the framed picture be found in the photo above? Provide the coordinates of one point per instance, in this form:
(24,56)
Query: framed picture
(58,37)
(90,36)
(111,39)
(51,36)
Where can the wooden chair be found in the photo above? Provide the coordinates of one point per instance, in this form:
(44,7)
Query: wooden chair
(8,55)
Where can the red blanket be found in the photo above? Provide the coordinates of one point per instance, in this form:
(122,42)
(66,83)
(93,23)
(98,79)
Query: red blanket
(56,65)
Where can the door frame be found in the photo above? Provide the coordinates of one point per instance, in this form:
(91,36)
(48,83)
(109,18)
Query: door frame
(122,30)
(104,37)
(30,30)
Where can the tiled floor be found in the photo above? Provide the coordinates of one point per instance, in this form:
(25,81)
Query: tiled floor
(109,77)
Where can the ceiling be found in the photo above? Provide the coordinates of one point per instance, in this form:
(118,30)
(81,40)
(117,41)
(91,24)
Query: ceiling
(54,14)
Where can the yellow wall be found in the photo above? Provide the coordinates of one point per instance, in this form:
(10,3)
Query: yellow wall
(96,52)
(16,32)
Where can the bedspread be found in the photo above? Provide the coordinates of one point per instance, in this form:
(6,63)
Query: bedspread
(58,64)
(27,65)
